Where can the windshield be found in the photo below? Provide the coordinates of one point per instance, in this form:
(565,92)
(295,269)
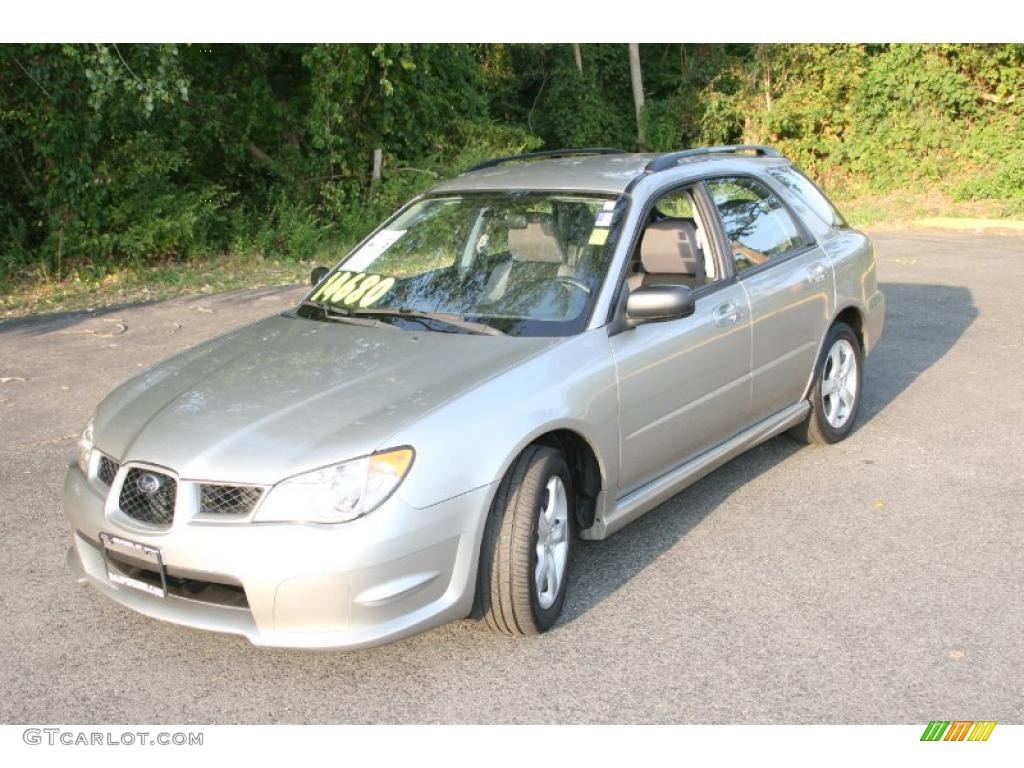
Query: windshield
(523,264)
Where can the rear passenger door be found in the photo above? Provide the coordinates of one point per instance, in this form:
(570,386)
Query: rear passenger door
(789,284)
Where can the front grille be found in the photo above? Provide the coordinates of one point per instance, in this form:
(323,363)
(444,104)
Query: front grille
(228,499)
(107,470)
(148,496)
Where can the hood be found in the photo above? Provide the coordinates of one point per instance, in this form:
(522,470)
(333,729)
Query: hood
(285,395)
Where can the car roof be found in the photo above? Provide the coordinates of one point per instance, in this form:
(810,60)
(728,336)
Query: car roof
(603,173)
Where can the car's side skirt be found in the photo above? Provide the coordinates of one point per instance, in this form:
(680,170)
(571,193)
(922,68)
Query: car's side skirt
(620,512)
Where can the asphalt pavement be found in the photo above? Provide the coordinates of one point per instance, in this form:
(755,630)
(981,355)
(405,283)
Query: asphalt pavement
(877,581)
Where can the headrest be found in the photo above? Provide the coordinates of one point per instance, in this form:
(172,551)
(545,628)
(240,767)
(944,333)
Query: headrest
(670,248)
(535,243)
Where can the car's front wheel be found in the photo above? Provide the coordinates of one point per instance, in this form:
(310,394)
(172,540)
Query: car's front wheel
(835,393)
(524,560)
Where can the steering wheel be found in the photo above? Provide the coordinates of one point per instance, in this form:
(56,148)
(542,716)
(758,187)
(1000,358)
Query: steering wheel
(567,282)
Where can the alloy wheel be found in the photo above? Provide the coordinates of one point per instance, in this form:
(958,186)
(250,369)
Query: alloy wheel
(839,383)
(552,542)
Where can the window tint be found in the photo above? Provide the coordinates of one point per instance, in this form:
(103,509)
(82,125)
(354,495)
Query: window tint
(758,226)
(812,197)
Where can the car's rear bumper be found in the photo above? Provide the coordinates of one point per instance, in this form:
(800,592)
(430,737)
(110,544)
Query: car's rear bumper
(395,572)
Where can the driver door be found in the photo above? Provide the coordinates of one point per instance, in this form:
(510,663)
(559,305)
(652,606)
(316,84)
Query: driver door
(684,384)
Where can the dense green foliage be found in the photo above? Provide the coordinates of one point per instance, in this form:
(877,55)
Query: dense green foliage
(114,154)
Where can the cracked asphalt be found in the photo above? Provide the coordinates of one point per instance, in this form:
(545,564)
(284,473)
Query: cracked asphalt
(876,581)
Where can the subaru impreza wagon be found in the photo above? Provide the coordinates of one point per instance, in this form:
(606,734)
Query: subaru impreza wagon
(535,352)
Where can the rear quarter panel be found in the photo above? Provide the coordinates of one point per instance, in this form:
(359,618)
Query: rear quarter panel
(856,280)
(853,264)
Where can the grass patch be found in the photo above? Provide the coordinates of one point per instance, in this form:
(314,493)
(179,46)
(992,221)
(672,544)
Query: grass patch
(89,289)
(899,210)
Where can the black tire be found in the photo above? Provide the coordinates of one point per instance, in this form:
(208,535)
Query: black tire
(507,596)
(816,428)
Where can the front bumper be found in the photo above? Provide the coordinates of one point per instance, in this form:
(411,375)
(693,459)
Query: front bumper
(395,572)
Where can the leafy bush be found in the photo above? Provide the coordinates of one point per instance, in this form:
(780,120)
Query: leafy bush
(150,153)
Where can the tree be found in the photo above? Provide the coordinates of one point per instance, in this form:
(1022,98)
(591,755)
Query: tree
(638,92)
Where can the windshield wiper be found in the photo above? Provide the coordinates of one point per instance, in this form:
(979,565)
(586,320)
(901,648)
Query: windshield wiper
(334,315)
(456,321)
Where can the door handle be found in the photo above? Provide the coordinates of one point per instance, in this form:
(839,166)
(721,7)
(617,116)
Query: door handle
(816,272)
(726,314)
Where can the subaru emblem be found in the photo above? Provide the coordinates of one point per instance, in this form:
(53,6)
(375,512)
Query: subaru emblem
(148,483)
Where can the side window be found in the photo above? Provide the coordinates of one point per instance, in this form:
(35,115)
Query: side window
(677,204)
(807,191)
(675,248)
(758,226)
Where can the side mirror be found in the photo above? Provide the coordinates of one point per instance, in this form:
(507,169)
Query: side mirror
(317,275)
(651,303)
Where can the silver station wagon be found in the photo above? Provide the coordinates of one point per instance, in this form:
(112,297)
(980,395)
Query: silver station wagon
(535,352)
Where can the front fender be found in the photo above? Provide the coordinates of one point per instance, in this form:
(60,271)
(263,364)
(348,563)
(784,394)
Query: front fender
(471,441)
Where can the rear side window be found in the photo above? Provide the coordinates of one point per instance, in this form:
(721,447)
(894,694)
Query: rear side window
(758,225)
(809,193)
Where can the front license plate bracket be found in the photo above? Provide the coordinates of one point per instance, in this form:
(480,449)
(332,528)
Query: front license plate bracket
(146,556)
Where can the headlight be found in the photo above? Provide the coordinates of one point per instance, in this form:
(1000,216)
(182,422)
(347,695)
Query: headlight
(85,448)
(337,494)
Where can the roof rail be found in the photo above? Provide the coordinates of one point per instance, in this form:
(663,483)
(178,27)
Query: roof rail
(671,159)
(547,153)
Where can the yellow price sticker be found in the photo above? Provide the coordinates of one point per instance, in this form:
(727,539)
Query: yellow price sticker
(354,288)
(598,237)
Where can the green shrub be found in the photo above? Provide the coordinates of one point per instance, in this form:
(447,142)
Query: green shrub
(155,153)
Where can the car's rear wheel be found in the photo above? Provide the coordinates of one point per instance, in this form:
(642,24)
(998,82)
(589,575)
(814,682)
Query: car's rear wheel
(524,560)
(835,393)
